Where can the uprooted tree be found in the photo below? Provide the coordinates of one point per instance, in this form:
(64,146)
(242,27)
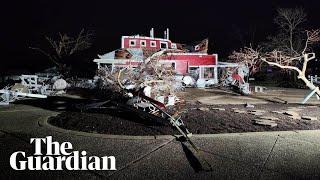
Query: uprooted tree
(286,60)
(64,47)
(155,79)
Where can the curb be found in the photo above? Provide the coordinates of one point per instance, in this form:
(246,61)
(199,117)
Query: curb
(43,121)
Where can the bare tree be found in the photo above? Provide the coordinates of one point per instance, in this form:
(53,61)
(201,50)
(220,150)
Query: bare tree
(289,21)
(249,57)
(285,60)
(65,46)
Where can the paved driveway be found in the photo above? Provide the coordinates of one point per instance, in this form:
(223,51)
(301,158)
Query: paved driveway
(263,155)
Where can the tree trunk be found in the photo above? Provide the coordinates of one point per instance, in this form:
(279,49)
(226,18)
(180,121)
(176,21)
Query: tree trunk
(291,41)
(310,85)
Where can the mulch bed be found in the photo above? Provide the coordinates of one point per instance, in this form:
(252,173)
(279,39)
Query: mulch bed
(119,122)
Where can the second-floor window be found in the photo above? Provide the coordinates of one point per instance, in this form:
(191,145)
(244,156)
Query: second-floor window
(164,45)
(143,43)
(132,42)
(153,44)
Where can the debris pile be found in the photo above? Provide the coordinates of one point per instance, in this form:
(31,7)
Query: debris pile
(151,78)
(233,75)
(33,86)
(150,87)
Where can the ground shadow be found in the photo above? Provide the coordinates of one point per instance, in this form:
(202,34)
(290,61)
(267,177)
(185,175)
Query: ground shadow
(192,159)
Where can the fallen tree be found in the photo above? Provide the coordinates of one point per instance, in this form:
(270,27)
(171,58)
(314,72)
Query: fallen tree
(154,79)
(285,60)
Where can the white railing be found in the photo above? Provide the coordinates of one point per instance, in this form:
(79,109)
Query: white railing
(314,79)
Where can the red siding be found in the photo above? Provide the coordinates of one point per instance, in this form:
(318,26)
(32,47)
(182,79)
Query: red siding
(194,59)
(148,43)
(182,67)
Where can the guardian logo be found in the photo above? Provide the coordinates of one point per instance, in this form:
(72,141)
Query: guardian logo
(59,157)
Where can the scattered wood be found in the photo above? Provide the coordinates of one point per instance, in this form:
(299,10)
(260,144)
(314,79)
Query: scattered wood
(219,109)
(294,109)
(248,105)
(204,109)
(263,122)
(269,118)
(278,112)
(240,111)
(256,113)
(310,118)
(291,113)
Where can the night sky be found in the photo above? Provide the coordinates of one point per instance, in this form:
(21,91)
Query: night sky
(228,24)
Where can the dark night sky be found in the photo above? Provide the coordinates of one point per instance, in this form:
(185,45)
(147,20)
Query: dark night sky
(24,23)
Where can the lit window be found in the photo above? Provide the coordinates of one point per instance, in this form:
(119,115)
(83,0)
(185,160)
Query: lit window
(132,42)
(143,43)
(153,44)
(174,46)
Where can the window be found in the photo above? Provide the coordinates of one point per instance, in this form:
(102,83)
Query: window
(163,45)
(208,72)
(174,46)
(194,72)
(173,66)
(143,43)
(153,44)
(197,48)
(132,42)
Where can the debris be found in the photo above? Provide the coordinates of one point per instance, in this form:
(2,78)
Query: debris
(312,106)
(294,109)
(278,112)
(265,122)
(259,89)
(33,86)
(256,113)
(188,81)
(234,76)
(219,109)
(258,110)
(249,105)
(291,113)
(269,118)
(279,100)
(240,111)
(309,118)
(201,83)
(204,109)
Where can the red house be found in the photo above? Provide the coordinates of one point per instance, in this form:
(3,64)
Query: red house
(192,60)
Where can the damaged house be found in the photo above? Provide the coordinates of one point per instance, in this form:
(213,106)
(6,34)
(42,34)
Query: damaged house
(191,63)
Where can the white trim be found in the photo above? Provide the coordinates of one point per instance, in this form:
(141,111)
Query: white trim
(144,37)
(122,41)
(132,40)
(155,43)
(118,61)
(143,41)
(190,54)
